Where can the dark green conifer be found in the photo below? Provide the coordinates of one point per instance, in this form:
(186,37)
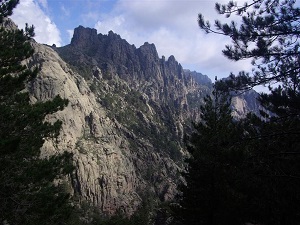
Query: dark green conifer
(6,8)
(268,33)
(210,195)
(28,194)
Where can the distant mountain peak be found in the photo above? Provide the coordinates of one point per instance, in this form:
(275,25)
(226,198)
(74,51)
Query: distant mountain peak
(83,36)
(113,35)
(149,49)
(127,118)
(199,77)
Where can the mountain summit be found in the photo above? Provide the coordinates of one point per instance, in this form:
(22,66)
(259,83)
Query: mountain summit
(150,101)
(127,115)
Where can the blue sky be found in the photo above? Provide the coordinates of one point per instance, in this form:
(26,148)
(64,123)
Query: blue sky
(170,24)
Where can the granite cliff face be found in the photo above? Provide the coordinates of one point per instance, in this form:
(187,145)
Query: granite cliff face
(105,175)
(162,80)
(125,119)
(244,103)
(199,77)
(125,122)
(147,94)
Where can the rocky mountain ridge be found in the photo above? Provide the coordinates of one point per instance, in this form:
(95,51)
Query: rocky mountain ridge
(199,77)
(127,116)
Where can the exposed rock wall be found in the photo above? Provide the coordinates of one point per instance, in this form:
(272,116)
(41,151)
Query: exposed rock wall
(105,174)
(163,83)
(127,114)
(125,133)
(244,103)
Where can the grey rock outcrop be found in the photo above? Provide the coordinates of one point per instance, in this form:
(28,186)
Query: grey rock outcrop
(150,101)
(244,103)
(127,114)
(163,81)
(105,174)
(199,77)
(8,24)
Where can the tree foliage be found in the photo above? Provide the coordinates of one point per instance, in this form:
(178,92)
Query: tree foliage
(28,193)
(268,33)
(273,171)
(240,171)
(6,8)
(210,195)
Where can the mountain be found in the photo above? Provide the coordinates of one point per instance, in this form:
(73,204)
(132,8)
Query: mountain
(127,115)
(199,77)
(244,103)
(126,118)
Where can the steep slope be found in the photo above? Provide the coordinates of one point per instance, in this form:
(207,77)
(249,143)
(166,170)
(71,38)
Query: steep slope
(124,124)
(150,96)
(199,77)
(163,81)
(130,125)
(244,103)
(105,174)
(128,112)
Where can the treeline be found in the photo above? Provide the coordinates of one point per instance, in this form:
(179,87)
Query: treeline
(238,172)
(35,190)
(28,193)
(248,171)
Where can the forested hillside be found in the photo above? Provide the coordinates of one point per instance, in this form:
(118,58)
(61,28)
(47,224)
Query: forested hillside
(249,171)
(103,132)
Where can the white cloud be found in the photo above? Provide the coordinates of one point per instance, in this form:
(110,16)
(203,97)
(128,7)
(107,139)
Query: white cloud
(90,16)
(172,26)
(44,3)
(114,23)
(70,33)
(65,11)
(30,12)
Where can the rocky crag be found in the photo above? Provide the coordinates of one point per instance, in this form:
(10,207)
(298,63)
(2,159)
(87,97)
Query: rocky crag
(244,103)
(127,114)
(149,99)
(199,77)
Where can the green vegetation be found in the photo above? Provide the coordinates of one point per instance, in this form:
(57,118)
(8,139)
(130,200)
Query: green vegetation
(87,214)
(84,70)
(248,171)
(28,193)
(238,171)
(6,8)
(129,108)
(210,196)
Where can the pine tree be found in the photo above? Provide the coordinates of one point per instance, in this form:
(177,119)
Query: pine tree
(268,33)
(272,172)
(6,8)
(28,194)
(210,195)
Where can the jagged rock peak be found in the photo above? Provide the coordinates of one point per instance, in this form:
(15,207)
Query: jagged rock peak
(87,38)
(171,58)
(83,36)
(199,77)
(172,63)
(113,35)
(149,50)
(148,46)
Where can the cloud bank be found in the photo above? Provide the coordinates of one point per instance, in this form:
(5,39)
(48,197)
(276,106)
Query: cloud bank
(170,24)
(173,27)
(29,11)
